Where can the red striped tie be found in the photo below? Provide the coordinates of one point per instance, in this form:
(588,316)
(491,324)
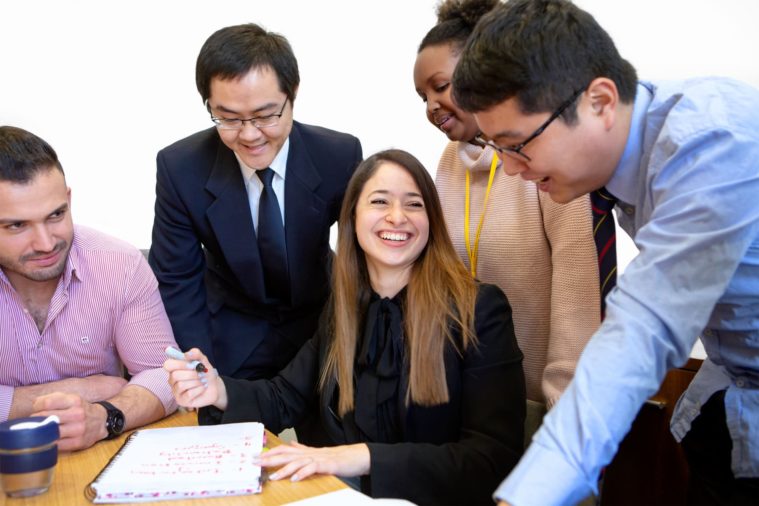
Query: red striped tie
(605,236)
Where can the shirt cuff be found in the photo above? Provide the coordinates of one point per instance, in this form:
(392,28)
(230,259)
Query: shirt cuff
(543,477)
(6,399)
(156,381)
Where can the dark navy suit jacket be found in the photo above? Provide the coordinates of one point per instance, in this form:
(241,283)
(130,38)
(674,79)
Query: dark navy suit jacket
(205,256)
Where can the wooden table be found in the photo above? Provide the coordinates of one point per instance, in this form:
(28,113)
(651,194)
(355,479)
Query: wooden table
(76,470)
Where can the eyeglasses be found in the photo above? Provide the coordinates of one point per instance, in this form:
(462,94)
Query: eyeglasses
(515,151)
(237,123)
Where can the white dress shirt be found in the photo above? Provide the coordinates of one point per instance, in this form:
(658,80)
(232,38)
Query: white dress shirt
(254,186)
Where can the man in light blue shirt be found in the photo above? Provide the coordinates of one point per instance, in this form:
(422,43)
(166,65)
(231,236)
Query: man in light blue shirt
(552,95)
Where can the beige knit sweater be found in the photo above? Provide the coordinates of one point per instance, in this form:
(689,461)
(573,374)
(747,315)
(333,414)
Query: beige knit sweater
(540,253)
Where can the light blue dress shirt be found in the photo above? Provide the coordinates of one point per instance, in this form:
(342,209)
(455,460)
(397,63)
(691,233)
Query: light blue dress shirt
(688,185)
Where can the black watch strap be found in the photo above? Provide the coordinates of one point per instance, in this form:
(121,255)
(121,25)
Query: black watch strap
(114,422)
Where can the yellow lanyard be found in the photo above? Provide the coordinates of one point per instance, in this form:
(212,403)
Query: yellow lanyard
(472,252)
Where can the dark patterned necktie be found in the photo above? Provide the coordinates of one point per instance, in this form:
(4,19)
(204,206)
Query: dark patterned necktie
(271,240)
(605,236)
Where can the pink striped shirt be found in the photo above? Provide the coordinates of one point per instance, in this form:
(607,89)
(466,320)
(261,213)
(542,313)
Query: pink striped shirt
(106,311)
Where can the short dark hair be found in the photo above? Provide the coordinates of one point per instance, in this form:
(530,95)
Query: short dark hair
(539,51)
(23,155)
(455,21)
(233,51)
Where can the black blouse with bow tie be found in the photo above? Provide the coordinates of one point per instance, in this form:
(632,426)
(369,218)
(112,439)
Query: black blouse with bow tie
(455,453)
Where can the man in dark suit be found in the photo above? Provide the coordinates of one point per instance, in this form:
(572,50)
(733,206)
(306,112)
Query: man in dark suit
(243,210)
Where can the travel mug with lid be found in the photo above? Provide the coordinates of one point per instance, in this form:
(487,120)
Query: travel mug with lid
(28,454)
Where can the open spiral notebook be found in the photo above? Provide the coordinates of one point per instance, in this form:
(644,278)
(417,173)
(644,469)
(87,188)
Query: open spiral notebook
(182,463)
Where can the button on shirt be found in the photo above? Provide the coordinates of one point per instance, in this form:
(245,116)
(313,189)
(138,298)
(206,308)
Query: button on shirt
(690,173)
(106,310)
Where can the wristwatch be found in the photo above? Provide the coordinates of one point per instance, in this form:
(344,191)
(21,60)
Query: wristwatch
(114,422)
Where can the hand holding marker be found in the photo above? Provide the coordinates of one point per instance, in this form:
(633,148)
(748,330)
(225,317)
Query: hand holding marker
(174,353)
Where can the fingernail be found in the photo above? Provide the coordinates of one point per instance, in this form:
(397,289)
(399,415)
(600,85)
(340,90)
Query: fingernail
(294,477)
(201,375)
(274,476)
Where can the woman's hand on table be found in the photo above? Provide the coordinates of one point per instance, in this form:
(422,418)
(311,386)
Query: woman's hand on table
(299,461)
(193,389)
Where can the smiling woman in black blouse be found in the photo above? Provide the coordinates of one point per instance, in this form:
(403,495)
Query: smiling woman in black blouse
(414,372)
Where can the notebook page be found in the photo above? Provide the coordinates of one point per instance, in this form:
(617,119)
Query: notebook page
(182,462)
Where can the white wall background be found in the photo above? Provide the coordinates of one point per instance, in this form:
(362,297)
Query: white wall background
(108,84)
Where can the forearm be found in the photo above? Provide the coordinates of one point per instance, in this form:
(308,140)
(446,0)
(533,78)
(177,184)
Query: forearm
(83,423)
(139,405)
(91,389)
(278,403)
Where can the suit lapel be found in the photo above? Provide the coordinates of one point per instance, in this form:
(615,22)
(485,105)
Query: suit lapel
(303,212)
(229,216)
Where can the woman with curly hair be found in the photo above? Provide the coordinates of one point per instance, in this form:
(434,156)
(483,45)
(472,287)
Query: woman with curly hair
(540,253)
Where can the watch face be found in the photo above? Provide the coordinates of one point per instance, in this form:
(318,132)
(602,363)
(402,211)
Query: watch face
(114,422)
(118,423)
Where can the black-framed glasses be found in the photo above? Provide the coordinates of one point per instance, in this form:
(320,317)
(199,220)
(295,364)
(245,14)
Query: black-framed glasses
(515,151)
(237,123)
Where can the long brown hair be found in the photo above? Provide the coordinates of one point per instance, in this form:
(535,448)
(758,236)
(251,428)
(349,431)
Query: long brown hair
(440,295)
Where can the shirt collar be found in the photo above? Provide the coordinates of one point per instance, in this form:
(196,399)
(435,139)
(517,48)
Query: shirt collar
(624,182)
(73,261)
(397,299)
(4,278)
(278,165)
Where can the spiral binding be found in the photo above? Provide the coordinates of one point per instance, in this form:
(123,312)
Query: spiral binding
(89,491)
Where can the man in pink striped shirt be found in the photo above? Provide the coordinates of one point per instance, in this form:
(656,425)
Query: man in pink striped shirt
(77,306)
